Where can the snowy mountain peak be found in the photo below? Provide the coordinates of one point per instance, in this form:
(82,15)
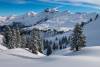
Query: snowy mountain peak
(51,10)
(49,19)
(31,13)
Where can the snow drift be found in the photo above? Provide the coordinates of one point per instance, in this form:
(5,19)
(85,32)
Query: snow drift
(88,57)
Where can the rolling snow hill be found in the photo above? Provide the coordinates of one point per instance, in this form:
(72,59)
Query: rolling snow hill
(88,57)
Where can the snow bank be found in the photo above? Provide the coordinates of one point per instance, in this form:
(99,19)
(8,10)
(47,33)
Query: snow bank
(1,41)
(87,57)
(2,48)
(23,53)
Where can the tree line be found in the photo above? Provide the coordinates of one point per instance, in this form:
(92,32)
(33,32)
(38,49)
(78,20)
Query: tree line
(76,41)
(14,38)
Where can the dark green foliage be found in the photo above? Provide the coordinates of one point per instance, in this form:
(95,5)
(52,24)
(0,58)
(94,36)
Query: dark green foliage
(49,50)
(45,43)
(36,41)
(60,44)
(12,37)
(54,46)
(8,37)
(77,38)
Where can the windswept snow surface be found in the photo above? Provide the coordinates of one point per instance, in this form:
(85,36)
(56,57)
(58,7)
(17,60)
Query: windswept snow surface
(87,57)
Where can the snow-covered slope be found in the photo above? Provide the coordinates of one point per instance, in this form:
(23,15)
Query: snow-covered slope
(28,19)
(62,21)
(24,19)
(2,48)
(92,51)
(5,20)
(23,53)
(92,31)
(51,19)
(77,59)
(18,51)
(1,42)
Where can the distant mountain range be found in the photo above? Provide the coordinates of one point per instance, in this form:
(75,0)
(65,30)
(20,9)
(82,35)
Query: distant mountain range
(52,19)
(48,19)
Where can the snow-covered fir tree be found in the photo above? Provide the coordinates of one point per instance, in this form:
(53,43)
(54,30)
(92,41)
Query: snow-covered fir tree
(8,37)
(14,38)
(49,50)
(77,38)
(40,42)
(54,46)
(18,37)
(23,41)
(36,41)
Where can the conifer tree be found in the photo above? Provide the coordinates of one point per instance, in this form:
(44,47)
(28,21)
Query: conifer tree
(60,44)
(49,50)
(14,38)
(18,36)
(45,43)
(77,38)
(23,41)
(40,42)
(54,46)
(36,41)
(8,37)
(34,44)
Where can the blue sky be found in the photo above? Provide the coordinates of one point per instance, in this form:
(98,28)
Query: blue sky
(18,7)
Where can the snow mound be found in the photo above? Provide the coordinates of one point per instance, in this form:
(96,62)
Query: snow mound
(93,51)
(84,59)
(23,53)
(1,46)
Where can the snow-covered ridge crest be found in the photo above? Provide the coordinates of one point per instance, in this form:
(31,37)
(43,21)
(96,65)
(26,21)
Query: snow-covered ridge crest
(49,19)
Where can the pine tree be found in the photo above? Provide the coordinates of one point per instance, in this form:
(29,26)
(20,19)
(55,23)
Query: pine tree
(23,41)
(45,43)
(18,37)
(14,38)
(54,46)
(8,37)
(34,44)
(66,42)
(60,44)
(36,41)
(49,50)
(40,42)
(77,38)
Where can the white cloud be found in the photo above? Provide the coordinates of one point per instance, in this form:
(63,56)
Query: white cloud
(96,2)
(76,3)
(17,1)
